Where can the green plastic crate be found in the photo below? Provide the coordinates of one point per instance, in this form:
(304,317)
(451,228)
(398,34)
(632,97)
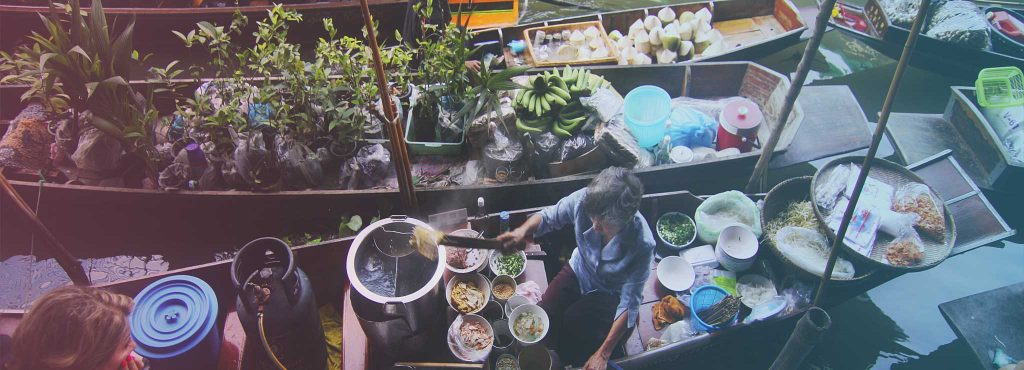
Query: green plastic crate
(1000,87)
(429,147)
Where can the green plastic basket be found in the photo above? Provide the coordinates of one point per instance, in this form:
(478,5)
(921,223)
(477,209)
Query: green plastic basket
(1000,87)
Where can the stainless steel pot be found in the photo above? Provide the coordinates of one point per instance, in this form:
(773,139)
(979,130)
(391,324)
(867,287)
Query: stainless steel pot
(394,288)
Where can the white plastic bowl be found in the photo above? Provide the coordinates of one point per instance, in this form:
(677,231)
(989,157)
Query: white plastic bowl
(531,308)
(514,302)
(467,354)
(736,248)
(494,263)
(675,273)
(481,283)
(481,261)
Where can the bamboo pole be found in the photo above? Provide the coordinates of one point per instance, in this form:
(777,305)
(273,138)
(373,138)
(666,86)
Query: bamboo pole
(802,70)
(64,258)
(399,150)
(876,138)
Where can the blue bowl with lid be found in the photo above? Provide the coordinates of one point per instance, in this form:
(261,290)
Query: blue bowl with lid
(174,324)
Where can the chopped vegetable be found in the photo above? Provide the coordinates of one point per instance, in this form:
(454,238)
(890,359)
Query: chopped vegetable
(510,264)
(675,229)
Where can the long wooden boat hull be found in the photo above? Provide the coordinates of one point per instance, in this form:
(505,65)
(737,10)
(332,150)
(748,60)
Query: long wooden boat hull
(929,53)
(87,214)
(322,263)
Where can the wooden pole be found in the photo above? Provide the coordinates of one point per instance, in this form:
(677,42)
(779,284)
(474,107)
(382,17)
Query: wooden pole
(802,70)
(64,258)
(876,138)
(399,150)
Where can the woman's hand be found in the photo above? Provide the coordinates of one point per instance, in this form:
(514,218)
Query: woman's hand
(597,361)
(514,240)
(133,362)
(473,65)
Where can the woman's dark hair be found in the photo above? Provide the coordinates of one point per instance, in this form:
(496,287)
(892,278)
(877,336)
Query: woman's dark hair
(614,195)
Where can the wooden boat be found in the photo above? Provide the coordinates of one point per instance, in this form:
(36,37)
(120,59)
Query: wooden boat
(1002,42)
(965,130)
(86,214)
(976,221)
(881,34)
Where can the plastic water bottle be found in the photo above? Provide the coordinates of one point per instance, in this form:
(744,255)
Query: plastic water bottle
(504,224)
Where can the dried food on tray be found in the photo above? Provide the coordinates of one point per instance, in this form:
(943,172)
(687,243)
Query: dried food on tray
(904,251)
(916,198)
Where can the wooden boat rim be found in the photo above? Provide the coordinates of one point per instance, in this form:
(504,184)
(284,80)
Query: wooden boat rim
(323,5)
(963,99)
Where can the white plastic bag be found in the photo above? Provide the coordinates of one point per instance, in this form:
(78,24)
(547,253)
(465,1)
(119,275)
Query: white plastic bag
(724,209)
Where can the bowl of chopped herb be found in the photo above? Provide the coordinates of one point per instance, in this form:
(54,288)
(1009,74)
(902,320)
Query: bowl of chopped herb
(512,264)
(676,230)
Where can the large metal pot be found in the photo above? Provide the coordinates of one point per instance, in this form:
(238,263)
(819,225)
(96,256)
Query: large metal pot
(394,288)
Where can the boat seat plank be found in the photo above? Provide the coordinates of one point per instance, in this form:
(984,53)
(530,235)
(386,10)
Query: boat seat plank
(985,321)
(919,136)
(232,344)
(846,131)
(741,32)
(354,351)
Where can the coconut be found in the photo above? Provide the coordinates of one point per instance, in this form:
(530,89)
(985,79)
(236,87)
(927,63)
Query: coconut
(615,35)
(645,59)
(623,43)
(686,16)
(685,50)
(655,37)
(667,15)
(715,48)
(643,42)
(650,22)
(670,40)
(703,14)
(583,54)
(578,39)
(701,42)
(704,27)
(686,31)
(623,61)
(600,53)
(591,33)
(635,27)
(715,36)
(666,56)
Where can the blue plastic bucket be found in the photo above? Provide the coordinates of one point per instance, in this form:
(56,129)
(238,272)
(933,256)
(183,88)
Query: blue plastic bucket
(174,324)
(646,110)
(702,299)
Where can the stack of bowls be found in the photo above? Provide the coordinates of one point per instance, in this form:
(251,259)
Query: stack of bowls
(736,248)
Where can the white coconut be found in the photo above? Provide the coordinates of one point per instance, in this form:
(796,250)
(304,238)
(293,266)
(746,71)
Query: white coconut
(623,43)
(715,35)
(591,32)
(715,48)
(703,14)
(583,54)
(645,59)
(685,50)
(667,15)
(686,16)
(615,35)
(701,42)
(650,22)
(704,26)
(666,56)
(655,37)
(686,31)
(600,53)
(635,27)
(578,39)
(670,40)
(596,43)
(623,61)
(642,42)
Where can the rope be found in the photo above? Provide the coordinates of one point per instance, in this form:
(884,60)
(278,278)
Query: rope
(266,345)
(32,241)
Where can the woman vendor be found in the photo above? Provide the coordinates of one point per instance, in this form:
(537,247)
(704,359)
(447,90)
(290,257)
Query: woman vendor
(594,300)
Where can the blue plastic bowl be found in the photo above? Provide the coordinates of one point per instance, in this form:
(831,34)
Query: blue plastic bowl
(646,112)
(702,299)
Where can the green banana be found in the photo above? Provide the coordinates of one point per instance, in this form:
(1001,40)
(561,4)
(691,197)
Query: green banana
(557,99)
(558,131)
(524,128)
(544,102)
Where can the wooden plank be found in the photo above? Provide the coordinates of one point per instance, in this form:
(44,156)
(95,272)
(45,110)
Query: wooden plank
(989,320)
(846,131)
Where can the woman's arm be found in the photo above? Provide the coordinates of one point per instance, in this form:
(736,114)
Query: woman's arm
(599,360)
(516,239)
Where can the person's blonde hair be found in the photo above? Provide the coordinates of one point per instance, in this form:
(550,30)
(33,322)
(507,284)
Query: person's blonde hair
(71,328)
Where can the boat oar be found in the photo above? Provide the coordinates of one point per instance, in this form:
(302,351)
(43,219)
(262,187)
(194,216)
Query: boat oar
(399,151)
(64,258)
(802,70)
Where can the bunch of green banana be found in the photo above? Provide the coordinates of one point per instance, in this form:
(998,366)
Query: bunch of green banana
(583,83)
(546,92)
(534,126)
(570,119)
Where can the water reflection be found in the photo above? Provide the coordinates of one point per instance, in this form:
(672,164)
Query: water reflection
(23,278)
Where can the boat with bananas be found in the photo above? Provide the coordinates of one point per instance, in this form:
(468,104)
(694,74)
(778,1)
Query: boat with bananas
(352,347)
(978,45)
(85,213)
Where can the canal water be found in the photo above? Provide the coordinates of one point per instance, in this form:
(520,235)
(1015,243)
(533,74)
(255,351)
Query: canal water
(896,325)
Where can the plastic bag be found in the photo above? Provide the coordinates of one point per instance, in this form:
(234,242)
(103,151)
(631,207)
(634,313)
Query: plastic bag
(212,178)
(174,176)
(809,250)
(692,128)
(503,158)
(679,331)
(1014,144)
(902,12)
(797,297)
(300,166)
(370,168)
(917,198)
(895,223)
(961,23)
(543,150)
(905,251)
(828,192)
(724,209)
(97,151)
(257,164)
(620,146)
(575,146)
(606,103)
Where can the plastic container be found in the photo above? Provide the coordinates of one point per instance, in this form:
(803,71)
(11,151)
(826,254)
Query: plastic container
(428,147)
(736,248)
(675,274)
(1000,87)
(646,110)
(702,299)
(174,324)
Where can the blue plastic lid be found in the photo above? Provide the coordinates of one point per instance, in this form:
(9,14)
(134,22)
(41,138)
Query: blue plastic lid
(504,215)
(172,316)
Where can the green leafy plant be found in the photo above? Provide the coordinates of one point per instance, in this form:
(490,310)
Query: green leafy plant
(442,53)
(484,96)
